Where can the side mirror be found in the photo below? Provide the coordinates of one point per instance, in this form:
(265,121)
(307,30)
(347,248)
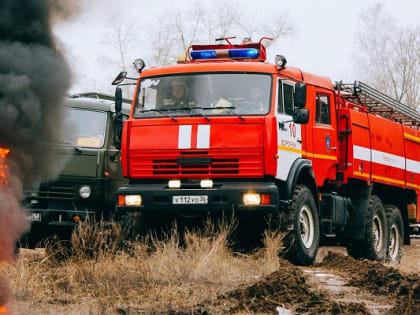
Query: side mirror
(300,95)
(118,100)
(120,77)
(301,115)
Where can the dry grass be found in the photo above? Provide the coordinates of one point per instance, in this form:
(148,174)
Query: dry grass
(97,276)
(102,275)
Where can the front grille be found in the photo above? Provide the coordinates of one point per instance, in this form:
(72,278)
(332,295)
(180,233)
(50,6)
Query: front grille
(220,163)
(217,166)
(53,192)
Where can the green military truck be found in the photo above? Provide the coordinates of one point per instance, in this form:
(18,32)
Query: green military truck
(88,183)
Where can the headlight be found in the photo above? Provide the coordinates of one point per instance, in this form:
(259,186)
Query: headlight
(85,192)
(133,200)
(174,183)
(139,64)
(206,183)
(252,199)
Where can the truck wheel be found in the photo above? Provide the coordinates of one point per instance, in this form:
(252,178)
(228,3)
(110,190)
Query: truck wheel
(29,240)
(375,243)
(134,225)
(396,234)
(302,240)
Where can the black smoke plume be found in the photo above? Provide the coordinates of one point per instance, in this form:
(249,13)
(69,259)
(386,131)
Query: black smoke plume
(34,79)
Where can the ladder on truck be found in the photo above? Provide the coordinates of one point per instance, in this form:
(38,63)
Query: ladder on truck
(379,103)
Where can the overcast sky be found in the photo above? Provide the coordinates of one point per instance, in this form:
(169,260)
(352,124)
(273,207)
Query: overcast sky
(323,43)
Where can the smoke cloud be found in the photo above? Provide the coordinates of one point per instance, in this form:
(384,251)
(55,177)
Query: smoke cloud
(34,79)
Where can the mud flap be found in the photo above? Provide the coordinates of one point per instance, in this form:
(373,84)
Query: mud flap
(359,194)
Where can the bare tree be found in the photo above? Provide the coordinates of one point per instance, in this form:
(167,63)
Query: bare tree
(162,43)
(121,36)
(202,23)
(387,56)
(121,41)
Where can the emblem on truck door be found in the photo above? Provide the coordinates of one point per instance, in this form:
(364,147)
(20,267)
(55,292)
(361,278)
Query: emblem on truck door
(328,142)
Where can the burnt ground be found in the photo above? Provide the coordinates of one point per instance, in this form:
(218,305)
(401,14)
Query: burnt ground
(287,290)
(337,285)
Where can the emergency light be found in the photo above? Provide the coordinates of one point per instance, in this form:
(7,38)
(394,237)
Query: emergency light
(251,53)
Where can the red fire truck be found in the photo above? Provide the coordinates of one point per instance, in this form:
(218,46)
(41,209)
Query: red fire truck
(224,130)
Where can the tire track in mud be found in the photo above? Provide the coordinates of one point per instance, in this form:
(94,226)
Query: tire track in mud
(337,285)
(378,281)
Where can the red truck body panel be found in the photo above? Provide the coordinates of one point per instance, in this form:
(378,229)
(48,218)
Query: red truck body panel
(379,150)
(236,150)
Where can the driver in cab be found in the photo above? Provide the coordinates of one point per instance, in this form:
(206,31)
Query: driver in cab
(178,94)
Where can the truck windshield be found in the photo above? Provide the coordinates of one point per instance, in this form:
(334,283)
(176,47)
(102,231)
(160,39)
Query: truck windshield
(87,128)
(204,94)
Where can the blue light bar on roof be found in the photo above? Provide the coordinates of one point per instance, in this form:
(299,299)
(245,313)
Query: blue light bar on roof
(251,53)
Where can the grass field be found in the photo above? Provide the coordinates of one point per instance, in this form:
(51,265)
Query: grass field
(154,276)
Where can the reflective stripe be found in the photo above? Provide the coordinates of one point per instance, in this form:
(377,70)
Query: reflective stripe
(413,185)
(379,157)
(388,159)
(203,137)
(308,154)
(413,166)
(321,156)
(387,179)
(361,153)
(184,137)
(366,175)
(294,150)
(411,137)
(382,178)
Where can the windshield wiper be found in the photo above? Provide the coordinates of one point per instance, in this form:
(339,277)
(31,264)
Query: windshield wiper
(228,108)
(160,111)
(196,107)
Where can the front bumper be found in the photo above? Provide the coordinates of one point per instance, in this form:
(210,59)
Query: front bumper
(224,197)
(56,217)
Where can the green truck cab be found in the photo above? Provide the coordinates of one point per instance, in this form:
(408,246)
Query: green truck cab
(88,183)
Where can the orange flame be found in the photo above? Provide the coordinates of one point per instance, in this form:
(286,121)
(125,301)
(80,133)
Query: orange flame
(3,166)
(3,181)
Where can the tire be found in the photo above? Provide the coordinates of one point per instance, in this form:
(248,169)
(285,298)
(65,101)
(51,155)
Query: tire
(395,234)
(29,240)
(135,225)
(302,222)
(374,245)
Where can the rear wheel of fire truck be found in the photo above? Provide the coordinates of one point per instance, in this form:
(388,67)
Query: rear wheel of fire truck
(396,234)
(375,243)
(302,222)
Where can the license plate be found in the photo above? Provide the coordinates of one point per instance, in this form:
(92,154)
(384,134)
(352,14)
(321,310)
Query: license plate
(189,200)
(35,217)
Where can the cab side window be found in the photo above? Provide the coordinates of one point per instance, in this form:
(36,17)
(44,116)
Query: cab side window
(323,115)
(285,101)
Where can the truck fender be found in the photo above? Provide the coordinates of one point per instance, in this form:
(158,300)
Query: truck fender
(300,167)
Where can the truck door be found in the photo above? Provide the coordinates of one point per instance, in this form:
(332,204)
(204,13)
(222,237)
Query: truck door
(324,135)
(289,133)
